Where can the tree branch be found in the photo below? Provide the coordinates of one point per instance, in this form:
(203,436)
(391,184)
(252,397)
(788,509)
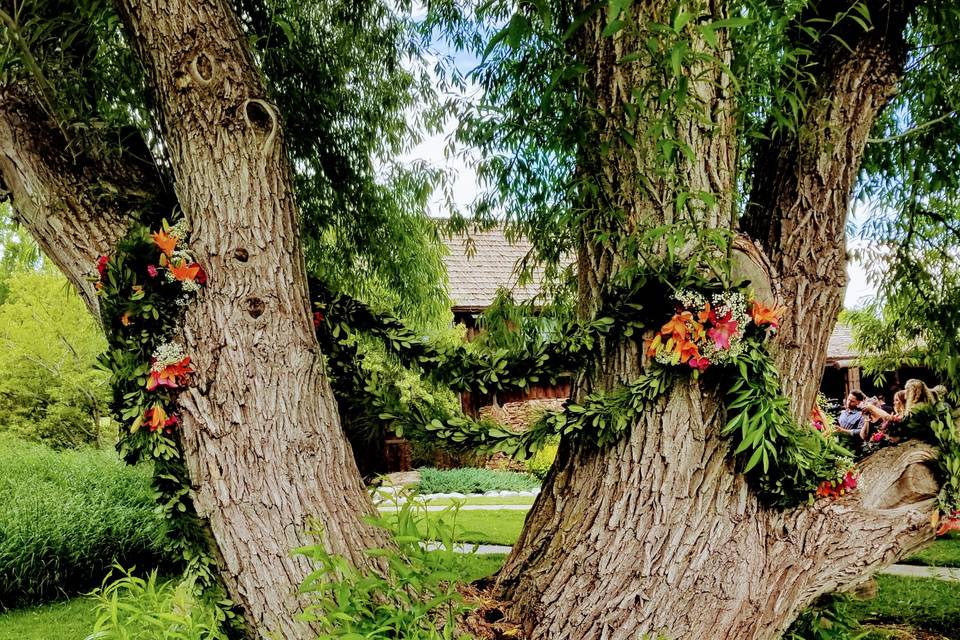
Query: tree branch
(803,181)
(840,543)
(75,205)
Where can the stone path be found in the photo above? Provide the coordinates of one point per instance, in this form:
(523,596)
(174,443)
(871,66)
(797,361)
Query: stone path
(390,506)
(911,571)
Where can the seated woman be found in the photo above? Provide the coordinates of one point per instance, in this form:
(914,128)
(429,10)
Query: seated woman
(876,421)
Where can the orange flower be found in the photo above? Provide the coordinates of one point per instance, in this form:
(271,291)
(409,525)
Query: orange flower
(687,350)
(171,376)
(155,417)
(185,272)
(763,314)
(677,327)
(166,243)
(950,524)
(655,345)
(125,319)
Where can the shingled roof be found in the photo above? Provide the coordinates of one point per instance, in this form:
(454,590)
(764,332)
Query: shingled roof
(484,261)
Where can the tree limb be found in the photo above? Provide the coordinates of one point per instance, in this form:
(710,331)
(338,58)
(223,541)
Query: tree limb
(840,543)
(803,181)
(76,205)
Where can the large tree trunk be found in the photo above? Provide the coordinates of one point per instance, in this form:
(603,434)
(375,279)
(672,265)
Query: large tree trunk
(262,437)
(658,533)
(267,459)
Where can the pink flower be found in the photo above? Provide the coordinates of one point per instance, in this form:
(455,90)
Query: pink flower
(723,331)
(700,364)
(152,270)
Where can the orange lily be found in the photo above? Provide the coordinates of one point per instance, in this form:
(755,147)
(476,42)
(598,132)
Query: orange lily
(185,272)
(677,327)
(155,417)
(763,314)
(165,242)
(171,376)
(687,350)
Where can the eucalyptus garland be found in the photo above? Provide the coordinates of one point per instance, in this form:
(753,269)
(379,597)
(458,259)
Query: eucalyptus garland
(144,287)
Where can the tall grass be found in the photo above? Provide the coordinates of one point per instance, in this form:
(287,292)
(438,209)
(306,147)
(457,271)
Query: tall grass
(67,516)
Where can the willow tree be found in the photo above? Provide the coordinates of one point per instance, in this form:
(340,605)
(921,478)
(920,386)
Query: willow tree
(632,155)
(626,121)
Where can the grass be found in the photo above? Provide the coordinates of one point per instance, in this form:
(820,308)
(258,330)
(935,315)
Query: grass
(942,553)
(485,527)
(472,480)
(923,603)
(70,620)
(66,517)
(74,619)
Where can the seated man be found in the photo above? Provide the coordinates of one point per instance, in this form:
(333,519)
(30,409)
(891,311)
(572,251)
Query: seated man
(851,420)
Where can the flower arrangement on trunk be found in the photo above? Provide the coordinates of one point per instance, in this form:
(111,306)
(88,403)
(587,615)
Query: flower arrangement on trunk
(144,287)
(706,332)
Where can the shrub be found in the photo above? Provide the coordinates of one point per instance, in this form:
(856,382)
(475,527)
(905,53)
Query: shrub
(67,516)
(413,596)
(133,608)
(471,480)
(50,386)
(542,460)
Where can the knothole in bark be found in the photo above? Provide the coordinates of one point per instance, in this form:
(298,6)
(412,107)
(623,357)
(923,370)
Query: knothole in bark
(241,255)
(203,69)
(256,307)
(260,116)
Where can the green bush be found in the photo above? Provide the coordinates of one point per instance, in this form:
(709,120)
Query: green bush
(471,480)
(50,387)
(133,608)
(542,460)
(67,516)
(413,596)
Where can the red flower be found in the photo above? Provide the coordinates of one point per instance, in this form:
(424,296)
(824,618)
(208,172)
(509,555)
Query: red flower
(950,524)
(835,489)
(152,270)
(201,275)
(699,364)
(317,319)
(102,265)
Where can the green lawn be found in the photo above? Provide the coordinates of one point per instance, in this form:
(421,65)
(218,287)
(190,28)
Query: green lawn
(484,500)
(922,603)
(486,527)
(943,553)
(70,620)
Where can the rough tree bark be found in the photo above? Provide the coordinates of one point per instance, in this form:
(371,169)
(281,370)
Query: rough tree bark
(74,206)
(260,431)
(658,534)
(803,182)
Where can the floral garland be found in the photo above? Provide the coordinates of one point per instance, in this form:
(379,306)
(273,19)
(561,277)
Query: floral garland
(143,289)
(727,331)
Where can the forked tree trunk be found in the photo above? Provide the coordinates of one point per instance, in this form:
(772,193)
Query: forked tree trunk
(658,534)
